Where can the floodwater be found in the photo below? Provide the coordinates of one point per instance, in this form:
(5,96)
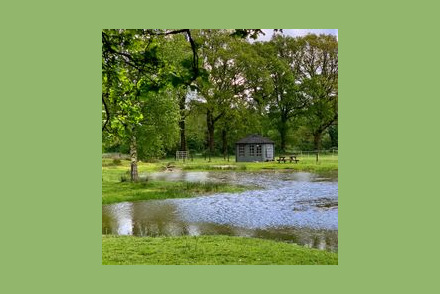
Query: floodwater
(293,207)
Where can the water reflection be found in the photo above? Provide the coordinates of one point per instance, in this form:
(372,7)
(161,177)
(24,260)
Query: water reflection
(117,219)
(155,218)
(262,179)
(293,207)
(178,176)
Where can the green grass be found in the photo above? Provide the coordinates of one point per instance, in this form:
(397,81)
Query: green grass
(113,192)
(204,250)
(326,163)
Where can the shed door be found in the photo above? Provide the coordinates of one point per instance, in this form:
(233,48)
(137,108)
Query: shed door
(269,151)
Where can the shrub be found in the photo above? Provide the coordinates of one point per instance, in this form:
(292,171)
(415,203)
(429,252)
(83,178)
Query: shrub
(241,167)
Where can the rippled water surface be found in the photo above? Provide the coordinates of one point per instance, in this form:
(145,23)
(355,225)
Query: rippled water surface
(294,207)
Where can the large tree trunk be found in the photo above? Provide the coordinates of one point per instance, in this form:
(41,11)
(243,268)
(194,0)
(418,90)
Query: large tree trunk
(182,100)
(225,143)
(333,133)
(317,140)
(210,124)
(283,134)
(182,135)
(133,160)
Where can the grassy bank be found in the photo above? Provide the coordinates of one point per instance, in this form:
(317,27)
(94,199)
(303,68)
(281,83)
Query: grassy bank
(208,250)
(113,192)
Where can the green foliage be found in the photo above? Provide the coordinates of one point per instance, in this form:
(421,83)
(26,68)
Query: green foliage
(137,92)
(320,80)
(285,89)
(159,128)
(333,133)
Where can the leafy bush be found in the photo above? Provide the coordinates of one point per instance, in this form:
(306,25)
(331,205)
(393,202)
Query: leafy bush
(241,167)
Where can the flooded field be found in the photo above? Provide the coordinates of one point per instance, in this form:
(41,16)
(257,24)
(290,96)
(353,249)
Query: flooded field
(293,207)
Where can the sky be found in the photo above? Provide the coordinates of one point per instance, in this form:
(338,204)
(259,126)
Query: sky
(298,32)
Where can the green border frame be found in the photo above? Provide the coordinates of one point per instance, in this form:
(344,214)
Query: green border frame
(51,145)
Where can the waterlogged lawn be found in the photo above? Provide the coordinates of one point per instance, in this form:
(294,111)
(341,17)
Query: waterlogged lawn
(114,190)
(115,187)
(212,250)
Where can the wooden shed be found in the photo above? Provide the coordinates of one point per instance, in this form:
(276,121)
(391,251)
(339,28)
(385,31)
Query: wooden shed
(254,148)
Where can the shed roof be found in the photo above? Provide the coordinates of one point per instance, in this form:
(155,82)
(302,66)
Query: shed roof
(255,139)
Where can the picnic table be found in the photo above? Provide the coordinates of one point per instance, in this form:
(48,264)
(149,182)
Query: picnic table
(292,158)
(281,158)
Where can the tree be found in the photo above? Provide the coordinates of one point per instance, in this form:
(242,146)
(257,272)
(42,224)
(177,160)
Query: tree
(333,133)
(233,120)
(180,58)
(132,69)
(219,91)
(158,130)
(319,71)
(282,92)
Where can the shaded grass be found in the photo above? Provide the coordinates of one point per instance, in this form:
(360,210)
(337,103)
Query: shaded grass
(213,250)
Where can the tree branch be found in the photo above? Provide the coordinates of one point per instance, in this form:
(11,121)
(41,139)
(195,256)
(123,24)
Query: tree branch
(195,56)
(107,113)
